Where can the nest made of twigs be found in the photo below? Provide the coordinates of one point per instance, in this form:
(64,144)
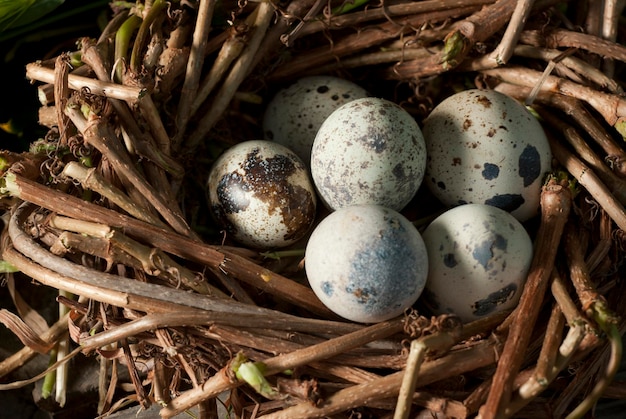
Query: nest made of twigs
(109,207)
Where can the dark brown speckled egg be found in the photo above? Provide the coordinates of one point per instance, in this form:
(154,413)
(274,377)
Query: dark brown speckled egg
(261,194)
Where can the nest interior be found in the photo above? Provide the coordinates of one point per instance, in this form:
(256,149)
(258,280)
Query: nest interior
(109,208)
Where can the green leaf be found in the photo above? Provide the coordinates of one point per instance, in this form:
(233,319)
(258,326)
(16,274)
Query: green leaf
(15,13)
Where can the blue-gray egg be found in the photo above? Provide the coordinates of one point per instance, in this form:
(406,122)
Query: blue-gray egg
(484,147)
(478,258)
(296,112)
(366,263)
(261,194)
(369,151)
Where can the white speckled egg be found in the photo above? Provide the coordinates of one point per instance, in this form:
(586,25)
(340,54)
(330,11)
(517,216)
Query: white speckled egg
(478,258)
(484,147)
(366,263)
(296,112)
(369,151)
(261,194)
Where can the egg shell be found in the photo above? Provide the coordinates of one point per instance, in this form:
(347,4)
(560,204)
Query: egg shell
(296,112)
(366,263)
(484,147)
(478,258)
(261,194)
(369,151)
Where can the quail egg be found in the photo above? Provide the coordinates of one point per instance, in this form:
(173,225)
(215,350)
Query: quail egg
(261,194)
(366,263)
(296,112)
(478,259)
(484,147)
(369,151)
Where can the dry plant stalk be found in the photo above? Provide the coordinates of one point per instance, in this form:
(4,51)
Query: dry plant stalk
(555,208)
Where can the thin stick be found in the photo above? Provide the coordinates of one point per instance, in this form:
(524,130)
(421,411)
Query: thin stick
(219,382)
(194,66)
(417,353)
(505,48)
(555,208)
(455,363)
(241,68)
(36,71)
(176,244)
(91,179)
(100,134)
(611,107)
(231,49)
(588,179)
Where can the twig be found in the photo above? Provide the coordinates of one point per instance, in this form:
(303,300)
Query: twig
(367,38)
(386,12)
(100,135)
(555,208)
(505,48)
(194,66)
(575,64)
(231,49)
(454,363)
(91,179)
(36,71)
(170,242)
(554,38)
(588,179)
(611,107)
(241,68)
(441,341)
(595,305)
(219,382)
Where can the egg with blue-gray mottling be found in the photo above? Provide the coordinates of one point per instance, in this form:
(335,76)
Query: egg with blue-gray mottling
(369,151)
(367,263)
(478,258)
(295,113)
(261,194)
(485,147)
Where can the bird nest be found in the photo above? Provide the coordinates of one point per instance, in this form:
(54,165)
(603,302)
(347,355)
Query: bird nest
(109,209)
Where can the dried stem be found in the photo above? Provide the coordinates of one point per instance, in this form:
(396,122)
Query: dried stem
(437,342)
(456,362)
(241,68)
(592,184)
(219,382)
(579,66)
(194,66)
(595,305)
(91,179)
(101,136)
(35,71)
(611,107)
(505,48)
(170,242)
(555,208)
(21,357)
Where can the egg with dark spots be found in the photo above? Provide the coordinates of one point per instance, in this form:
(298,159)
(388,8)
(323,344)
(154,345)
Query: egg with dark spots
(261,194)
(478,258)
(486,148)
(366,263)
(369,151)
(296,112)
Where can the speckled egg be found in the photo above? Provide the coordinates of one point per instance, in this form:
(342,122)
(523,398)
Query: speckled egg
(369,151)
(484,147)
(261,194)
(296,112)
(478,258)
(366,263)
